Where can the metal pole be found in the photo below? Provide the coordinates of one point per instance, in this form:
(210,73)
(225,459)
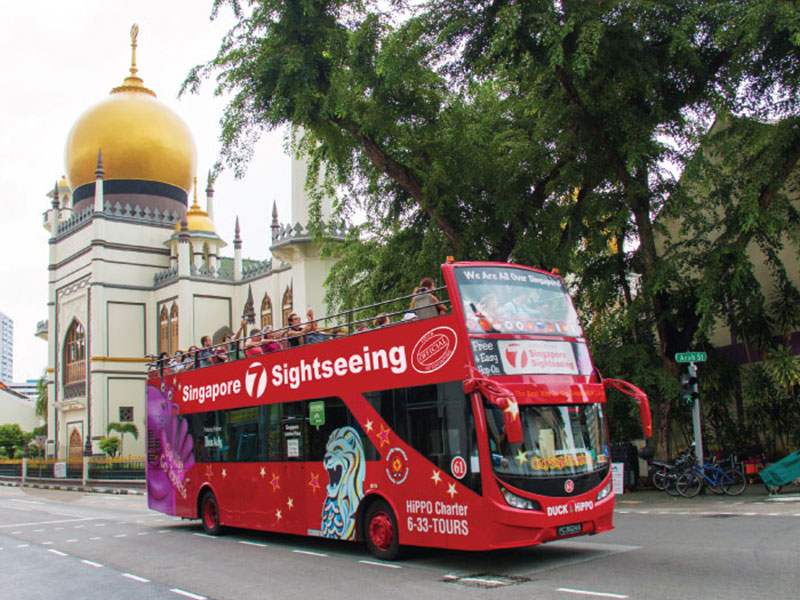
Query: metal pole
(698,430)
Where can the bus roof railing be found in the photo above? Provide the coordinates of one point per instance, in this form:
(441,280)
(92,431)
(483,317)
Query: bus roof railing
(280,336)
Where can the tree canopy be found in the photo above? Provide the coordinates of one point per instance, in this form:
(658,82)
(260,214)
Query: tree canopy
(648,142)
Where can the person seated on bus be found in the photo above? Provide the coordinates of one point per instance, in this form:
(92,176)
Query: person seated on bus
(176,362)
(269,343)
(163,362)
(296,333)
(424,303)
(382,320)
(516,307)
(221,351)
(252,345)
(192,358)
(206,352)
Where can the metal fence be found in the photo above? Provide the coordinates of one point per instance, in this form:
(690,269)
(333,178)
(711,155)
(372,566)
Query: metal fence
(131,468)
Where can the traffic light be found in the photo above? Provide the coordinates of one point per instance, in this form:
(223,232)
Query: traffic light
(689,385)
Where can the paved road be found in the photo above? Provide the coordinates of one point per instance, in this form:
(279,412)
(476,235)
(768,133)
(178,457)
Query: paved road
(56,544)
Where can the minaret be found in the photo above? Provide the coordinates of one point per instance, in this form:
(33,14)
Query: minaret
(183,249)
(99,172)
(210,197)
(237,253)
(275,226)
(53,213)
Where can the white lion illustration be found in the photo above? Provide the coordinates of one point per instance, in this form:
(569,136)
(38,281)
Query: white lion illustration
(344,462)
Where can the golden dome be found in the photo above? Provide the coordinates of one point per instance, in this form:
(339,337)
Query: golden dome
(196,218)
(141,139)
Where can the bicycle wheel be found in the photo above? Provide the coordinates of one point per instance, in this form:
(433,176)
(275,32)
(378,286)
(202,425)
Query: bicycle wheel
(716,480)
(659,480)
(689,484)
(738,483)
(670,481)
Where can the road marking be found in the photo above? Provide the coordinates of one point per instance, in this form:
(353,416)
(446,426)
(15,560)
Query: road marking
(47,543)
(79,527)
(164,530)
(136,578)
(22,545)
(121,535)
(17,508)
(252,544)
(38,530)
(379,564)
(25,501)
(95,538)
(187,594)
(142,533)
(205,535)
(92,564)
(72,541)
(590,593)
(15,532)
(309,553)
(47,523)
(57,552)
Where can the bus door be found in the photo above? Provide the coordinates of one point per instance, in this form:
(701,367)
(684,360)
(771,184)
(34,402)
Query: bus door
(289,493)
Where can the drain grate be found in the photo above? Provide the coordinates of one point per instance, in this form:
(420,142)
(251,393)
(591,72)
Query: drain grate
(485,580)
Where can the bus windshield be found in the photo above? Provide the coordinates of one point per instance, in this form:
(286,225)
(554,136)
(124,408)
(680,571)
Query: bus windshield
(514,300)
(558,441)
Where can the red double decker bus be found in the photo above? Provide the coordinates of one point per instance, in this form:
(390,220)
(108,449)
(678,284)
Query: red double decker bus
(478,429)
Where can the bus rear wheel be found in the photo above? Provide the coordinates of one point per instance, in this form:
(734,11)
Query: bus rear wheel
(381,531)
(209,514)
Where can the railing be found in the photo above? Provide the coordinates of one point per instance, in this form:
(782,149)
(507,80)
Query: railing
(342,324)
(132,467)
(10,468)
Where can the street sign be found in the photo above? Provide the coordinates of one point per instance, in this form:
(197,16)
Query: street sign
(690,357)
(316,413)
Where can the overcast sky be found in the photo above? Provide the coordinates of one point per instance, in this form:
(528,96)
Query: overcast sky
(57,59)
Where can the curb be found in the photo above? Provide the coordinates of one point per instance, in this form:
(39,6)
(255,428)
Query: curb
(76,488)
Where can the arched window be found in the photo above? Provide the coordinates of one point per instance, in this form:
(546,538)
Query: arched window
(287,306)
(173,329)
(163,331)
(266,312)
(75,354)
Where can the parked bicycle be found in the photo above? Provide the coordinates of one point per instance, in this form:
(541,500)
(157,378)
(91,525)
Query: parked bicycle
(718,478)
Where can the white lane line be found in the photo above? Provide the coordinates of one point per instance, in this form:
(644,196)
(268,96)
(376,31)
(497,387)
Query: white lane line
(165,530)
(590,593)
(38,523)
(205,535)
(306,552)
(187,594)
(252,544)
(57,552)
(16,508)
(15,532)
(72,541)
(38,530)
(47,543)
(136,578)
(121,535)
(78,527)
(142,533)
(96,537)
(379,564)
(22,545)
(92,564)
(100,524)
(25,501)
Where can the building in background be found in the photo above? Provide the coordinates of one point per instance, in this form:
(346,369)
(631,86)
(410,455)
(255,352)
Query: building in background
(6,349)
(19,409)
(28,388)
(135,265)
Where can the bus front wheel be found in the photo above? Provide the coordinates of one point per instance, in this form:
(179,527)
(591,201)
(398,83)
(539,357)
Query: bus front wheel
(209,513)
(381,531)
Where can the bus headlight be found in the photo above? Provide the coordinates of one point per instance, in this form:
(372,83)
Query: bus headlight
(605,492)
(519,501)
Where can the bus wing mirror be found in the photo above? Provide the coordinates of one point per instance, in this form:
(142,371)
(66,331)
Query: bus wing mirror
(641,399)
(502,398)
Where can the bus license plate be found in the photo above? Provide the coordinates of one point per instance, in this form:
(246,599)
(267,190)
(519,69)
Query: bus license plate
(569,529)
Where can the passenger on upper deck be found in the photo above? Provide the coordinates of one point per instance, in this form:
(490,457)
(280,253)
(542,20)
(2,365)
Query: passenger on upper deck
(206,353)
(296,333)
(382,320)
(425,304)
(252,345)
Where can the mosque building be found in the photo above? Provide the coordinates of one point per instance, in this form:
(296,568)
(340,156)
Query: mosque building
(135,265)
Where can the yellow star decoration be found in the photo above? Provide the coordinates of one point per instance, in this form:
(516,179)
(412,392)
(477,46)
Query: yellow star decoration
(436,477)
(278,514)
(224,473)
(290,503)
(263,473)
(368,425)
(512,409)
(451,489)
(521,457)
(276,482)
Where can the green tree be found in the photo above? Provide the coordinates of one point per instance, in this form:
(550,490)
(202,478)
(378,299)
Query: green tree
(41,398)
(12,437)
(122,429)
(547,133)
(110,444)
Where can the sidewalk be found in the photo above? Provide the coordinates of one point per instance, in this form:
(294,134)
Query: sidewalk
(135,488)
